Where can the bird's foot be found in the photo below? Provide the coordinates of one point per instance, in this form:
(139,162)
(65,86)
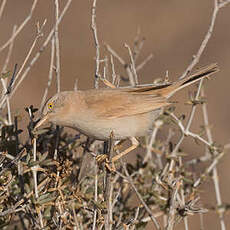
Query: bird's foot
(103,158)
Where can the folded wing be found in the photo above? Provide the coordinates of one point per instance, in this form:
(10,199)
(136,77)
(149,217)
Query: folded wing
(122,102)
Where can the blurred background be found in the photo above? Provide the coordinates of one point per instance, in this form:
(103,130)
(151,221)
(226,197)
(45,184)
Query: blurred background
(173,31)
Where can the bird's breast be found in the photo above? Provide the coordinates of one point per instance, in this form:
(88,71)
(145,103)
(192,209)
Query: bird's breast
(123,127)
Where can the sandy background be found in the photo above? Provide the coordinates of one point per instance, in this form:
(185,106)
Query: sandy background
(173,32)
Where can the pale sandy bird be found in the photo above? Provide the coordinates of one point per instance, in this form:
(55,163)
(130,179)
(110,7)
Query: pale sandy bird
(127,112)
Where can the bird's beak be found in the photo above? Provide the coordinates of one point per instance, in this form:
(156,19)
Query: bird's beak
(42,121)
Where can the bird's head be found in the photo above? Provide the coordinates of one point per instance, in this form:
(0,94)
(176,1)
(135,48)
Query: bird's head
(54,109)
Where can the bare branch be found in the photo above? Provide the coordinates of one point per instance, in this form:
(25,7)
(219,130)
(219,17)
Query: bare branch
(50,74)
(21,26)
(142,64)
(97,45)
(213,166)
(2,8)
(57,47)
(133,67)
(196,57)
(156,224)
(37,55)
(126,66)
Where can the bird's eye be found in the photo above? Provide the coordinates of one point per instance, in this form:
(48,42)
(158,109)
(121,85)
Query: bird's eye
(50,105)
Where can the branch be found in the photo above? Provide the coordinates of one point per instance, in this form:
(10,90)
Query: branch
(21,26)
(217,6)
(97,45)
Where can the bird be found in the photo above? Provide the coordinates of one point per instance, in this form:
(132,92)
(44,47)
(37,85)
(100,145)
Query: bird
(126,112)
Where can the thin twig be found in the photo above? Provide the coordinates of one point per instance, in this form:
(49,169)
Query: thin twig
(12,80)
(115,54)
(14,160)
(109,188)
(208,170)
(201,221)
(34,171)
(26,196)
(114,76)
(50,75)
(95,195)
(57,139)
(189,68)
(129,179)
(196,57)
(21,26)
(9,52)
(182,194)
(188,125)
(223,3)
(125,65)
(2,8)
(39,34)
(97,45)
(133,67)
(38,54)
(146,60)
(215,173)
(148,155)
(173,154)
(57,48)
(135,218)
(138,45)
(173,207)
(189,133)
(4,81)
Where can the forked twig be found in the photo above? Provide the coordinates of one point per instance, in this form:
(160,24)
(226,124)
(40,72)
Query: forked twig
(129,179)
(19,29)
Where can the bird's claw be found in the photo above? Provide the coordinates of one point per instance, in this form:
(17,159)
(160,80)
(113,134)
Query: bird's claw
(103,158)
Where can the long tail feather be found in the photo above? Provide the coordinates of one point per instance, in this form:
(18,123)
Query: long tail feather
(204,72)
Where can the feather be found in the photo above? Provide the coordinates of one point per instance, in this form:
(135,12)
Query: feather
(121,102)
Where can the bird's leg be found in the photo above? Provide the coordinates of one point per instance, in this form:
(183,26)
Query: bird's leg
(109,163)
(118,144)
(104,157)
(109,153)
(106,147)
(134,145)
(108,150)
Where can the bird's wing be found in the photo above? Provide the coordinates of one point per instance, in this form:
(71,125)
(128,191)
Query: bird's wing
(116,103)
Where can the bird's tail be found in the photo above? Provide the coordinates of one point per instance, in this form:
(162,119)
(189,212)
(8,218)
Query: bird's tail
(198,75)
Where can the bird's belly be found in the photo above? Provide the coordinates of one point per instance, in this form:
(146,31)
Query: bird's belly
(131,126)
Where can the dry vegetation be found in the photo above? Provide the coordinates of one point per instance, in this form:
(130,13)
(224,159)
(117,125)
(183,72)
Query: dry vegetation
(54,180)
